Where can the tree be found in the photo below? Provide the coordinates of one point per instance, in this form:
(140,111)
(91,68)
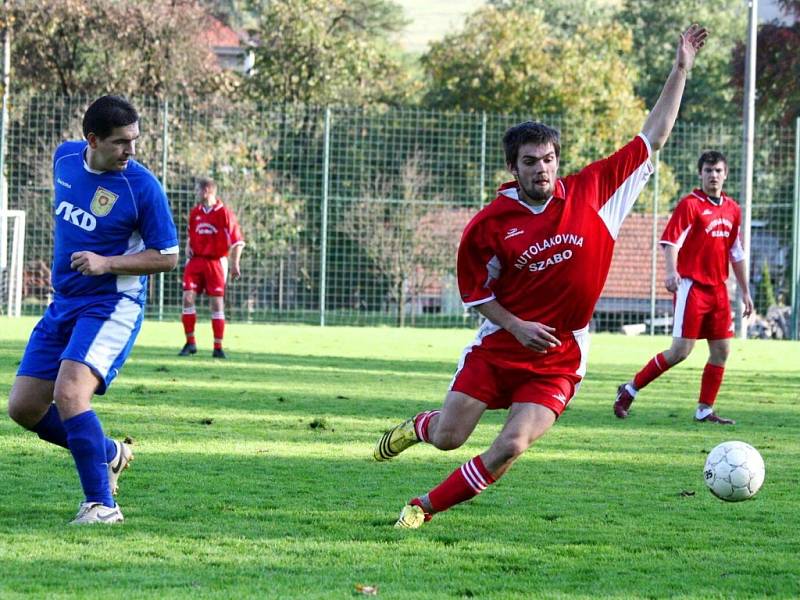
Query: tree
(325,52)
(777,68)
(656,24)
(149,47)
(400,235)
(514,62)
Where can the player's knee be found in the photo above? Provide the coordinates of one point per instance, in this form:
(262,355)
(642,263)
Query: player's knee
(512,447)
(19,411)
(679,355)
(447,439)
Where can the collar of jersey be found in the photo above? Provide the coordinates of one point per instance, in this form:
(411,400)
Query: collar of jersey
(697,192)
(510,190)
(217,206)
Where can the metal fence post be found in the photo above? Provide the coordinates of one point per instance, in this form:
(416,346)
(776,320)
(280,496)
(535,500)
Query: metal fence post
(164,157)
(323,259)
(796,237)
(483,159)
(654,249)
(3,144)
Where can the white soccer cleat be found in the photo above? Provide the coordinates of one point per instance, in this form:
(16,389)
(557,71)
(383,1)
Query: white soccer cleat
(90,513)
(115,467)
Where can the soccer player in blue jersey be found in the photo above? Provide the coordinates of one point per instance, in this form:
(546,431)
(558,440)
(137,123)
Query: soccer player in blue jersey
(113,227)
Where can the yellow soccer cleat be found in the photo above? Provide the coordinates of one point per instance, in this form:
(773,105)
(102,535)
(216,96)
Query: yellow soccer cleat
(394,441)
(411,517)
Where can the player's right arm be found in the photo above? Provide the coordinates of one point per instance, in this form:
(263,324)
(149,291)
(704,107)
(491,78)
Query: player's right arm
(533,335)
(478,268)
(661,119)
(678,226)
(672,279)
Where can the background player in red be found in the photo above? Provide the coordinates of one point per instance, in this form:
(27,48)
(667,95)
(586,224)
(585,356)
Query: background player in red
(533,262)
(702,235)
(214,235)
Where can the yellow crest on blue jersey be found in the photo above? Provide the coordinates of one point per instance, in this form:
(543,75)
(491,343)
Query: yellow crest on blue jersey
(103,202)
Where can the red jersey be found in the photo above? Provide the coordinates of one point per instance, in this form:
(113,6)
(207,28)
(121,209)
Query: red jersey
(706,235)
(549,263)
(213,231)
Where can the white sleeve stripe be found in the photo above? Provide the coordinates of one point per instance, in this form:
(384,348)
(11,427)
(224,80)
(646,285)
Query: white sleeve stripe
(477,302)
(170,250)
(621,201)
(646,143)
(737,250)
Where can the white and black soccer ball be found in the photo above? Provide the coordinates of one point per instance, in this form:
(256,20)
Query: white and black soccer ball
(734,471)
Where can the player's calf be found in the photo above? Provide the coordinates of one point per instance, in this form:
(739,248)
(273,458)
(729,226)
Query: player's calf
(403,436)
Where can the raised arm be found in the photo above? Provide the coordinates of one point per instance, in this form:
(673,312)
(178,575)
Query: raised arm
(661,119)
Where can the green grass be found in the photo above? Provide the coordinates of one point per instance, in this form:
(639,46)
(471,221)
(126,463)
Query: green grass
(254,478)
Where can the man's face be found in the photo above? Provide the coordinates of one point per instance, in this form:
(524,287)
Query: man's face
(535,171)
(206,193)
(712,176)
(112,153)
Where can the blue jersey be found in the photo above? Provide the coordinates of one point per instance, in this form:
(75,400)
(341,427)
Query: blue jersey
(110,213)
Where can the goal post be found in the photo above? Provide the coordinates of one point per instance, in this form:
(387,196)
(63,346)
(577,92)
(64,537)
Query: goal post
(12,239)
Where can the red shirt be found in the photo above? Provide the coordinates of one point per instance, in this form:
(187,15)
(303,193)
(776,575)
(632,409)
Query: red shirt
(549,265)
(706,235)
(213,231)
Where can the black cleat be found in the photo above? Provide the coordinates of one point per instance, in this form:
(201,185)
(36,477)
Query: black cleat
(218,353)
(188,349)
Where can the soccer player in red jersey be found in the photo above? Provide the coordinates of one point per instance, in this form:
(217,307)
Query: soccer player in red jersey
(701,237)
(214,235)
(533,262)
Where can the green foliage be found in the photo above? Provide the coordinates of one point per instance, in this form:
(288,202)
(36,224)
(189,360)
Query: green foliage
(149,47)
(321,52)
(656,25)
(566,16)
(778,69)
(512,62)
(258,504)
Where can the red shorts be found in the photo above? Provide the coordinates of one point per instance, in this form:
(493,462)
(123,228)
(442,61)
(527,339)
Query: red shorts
(205,275)
(702,311)
(551,379)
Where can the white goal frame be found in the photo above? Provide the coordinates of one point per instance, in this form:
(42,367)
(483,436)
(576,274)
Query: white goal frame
(13,262)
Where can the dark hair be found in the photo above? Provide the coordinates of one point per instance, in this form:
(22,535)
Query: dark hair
(529,132)
(206,182)
(106,113)
(711,157)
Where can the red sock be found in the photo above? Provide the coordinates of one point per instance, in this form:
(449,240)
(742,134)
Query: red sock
(189,320)
(657,366)
(709,386)
(218,326)
(466,482)
(421,422)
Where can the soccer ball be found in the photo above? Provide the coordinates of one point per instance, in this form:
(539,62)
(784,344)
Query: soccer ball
(734,471)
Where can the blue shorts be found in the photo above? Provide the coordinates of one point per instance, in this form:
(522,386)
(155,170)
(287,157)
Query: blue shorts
(98,332)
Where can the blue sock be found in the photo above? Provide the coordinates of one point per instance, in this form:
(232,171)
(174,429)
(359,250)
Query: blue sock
(88,446)
(51,429)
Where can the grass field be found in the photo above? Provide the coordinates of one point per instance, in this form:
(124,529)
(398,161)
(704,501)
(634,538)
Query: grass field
(254,478)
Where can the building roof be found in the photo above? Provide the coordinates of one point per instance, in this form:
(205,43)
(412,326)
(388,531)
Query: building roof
(220,35)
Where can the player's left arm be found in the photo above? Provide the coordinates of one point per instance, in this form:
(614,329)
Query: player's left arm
(739,266)
(146,262)
(740,272)
(661,119)
(236,243)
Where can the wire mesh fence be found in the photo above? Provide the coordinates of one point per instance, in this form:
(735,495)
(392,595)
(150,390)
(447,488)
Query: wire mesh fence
(352,216)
